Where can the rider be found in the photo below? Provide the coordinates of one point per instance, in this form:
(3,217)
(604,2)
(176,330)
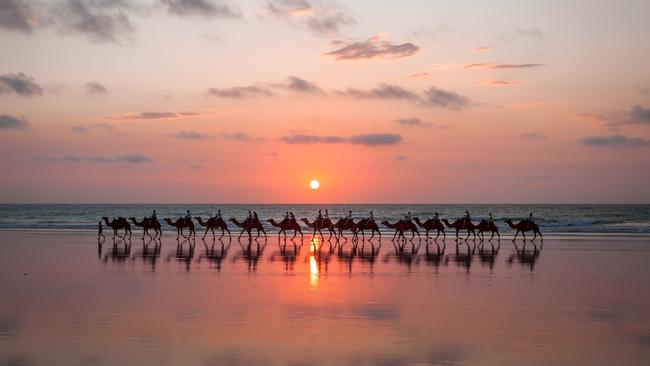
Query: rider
(255,218)
(286,216)
(319,219)
(349,216)
(467,217)
(250,216)
(371,218)
(408,217)
(292,217)
(491,219)
(327,215)
(218,215)
(531,219)
(436,217)
(153,216)
(188,216)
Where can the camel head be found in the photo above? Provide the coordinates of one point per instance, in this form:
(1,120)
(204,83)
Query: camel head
(169,221)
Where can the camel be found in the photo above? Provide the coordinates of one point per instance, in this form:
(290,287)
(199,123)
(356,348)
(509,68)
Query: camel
(344,224)
(430,225)
(285,225)
(146,224)
(213,223)
(523,226)
(180,224)
(248,226)
(402,226)
(362,226)
(461,224)
(324,224)
(118,224)
(485,226)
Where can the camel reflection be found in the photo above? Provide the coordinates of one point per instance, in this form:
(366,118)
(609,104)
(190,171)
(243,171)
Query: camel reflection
(215,255)
(435,257)
(182,255)
(463,259)
(287,253)
(250,253)
(403,256)
(149,254)
(118,253)
(525,257)
(488,256)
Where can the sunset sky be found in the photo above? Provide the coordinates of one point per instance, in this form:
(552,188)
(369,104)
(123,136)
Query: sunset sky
(381,101)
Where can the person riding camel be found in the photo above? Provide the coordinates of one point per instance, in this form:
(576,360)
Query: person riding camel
(408,217)
(319,218)
(255,217)
(371,218)
(292,217)
(249,218)
(436,217)
(531,220)
(349,216)
(188,216)
(218,215)
(490,220)
(467,217)
(153,216)
(327,215)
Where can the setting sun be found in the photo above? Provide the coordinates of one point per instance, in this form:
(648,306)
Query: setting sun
(314,184)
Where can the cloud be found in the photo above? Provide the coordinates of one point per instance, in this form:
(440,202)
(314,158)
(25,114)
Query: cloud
(191,135)
(482,49)
(241,137)
(529,32)
(205,8)
(20,84)
(240,92)
(501,82)
(299,85)
(616,141)
(383,91)
(410,121)
(8,122)
(371,139)
(150,116)
(533,136)
(18,15)
(638,114)
(445,99)
(320,17)
(95,88)
(502,66)
(373,48)
(129,159)
(420,75)
(100,21)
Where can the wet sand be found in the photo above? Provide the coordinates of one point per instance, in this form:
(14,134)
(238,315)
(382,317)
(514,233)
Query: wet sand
(67,301)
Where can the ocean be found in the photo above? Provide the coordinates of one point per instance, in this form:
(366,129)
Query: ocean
(560,219)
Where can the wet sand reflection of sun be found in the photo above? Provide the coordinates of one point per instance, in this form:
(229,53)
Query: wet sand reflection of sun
(313,265)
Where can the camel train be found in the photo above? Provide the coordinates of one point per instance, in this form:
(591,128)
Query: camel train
(336,229)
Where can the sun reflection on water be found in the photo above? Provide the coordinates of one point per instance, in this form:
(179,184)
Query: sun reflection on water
(313,265)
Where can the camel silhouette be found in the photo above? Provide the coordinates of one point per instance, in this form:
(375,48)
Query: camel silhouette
(490,227)
(430,225)
(318,226)
(248,225)
(213,223)
(285,225)
(117,224)
(362,226)
(523,226)
(146,224)
(461,224)
(402,226)
(180,224)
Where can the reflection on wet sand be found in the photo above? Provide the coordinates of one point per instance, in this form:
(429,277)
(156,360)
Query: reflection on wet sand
(321,303)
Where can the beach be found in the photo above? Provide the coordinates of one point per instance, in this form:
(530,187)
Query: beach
(573,301)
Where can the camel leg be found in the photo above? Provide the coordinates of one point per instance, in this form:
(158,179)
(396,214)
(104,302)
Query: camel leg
(515,238)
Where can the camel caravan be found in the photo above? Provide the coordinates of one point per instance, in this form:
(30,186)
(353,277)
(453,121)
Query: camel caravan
(252,224)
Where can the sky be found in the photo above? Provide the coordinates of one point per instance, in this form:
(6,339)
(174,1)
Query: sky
(209,101)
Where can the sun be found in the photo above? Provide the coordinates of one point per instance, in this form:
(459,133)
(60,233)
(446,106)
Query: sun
(314,184)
